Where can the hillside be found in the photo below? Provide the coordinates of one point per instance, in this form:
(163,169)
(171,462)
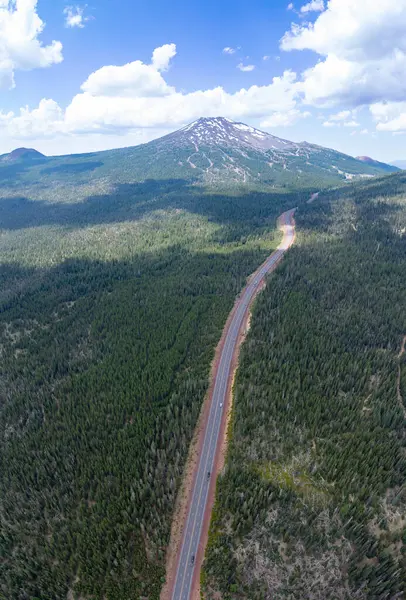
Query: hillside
(212,152)
(221,150)
(312,502)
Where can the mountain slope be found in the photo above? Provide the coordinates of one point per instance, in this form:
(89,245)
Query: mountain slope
(376,163)
(219,150)
(214,151)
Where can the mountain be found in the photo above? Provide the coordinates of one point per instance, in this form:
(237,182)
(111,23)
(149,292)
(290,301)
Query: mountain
(214,152)
(21,154)
(218,150)
(401,164)
(380,165)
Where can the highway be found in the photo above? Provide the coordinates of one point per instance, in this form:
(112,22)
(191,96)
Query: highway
(187,564)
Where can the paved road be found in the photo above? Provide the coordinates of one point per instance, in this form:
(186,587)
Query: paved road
(191,538)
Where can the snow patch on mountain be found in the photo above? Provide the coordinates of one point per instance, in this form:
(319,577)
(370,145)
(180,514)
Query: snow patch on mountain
(219,131)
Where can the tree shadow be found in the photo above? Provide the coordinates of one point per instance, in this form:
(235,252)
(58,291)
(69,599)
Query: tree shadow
(133,201)
(72,168)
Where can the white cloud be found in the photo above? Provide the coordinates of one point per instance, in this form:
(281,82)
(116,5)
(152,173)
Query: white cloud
(314,5)
(20,48)
(389,116)
(122,99)
(44,121)
(133,80)
(228,50)
(245,68)
(363,50)
(290,6)
(266,57)
(74,17)
(284,118)
(364,132)
(162,56)
(89,112)
(341,116)
(345,118)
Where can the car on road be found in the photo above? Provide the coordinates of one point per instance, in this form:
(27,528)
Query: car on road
(193,559)
(221,405)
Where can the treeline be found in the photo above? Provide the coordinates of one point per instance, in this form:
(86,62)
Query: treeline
(313,500)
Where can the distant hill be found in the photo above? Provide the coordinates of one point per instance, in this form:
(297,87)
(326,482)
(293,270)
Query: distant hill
(21,154)
(375,163)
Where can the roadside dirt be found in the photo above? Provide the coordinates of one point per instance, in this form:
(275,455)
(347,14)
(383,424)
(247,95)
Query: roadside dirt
(184,497)
(402,348)
(313,197)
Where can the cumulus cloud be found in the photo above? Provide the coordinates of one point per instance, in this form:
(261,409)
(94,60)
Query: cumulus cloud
(290,6)
(20,48)
(245,68)
(363,50)
(120,99)
(229,50)
(44,121)
(341,116)
(91,112)
(133,80)
(389,116)
(284,118)
(74,17)
(344,118)
(162,56)
(313,6)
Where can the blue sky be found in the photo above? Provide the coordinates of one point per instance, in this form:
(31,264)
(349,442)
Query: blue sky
(81,77)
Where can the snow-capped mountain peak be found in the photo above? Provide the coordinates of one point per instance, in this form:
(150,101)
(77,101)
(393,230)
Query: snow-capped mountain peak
(220,151)
(219,131)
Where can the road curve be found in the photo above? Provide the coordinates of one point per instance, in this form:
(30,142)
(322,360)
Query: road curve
(182,587)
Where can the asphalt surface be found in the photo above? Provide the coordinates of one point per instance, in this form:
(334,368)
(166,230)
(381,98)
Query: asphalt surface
(191,538)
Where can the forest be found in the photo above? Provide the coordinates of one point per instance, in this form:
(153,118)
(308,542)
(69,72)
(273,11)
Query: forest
(111,306)
(312,500)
